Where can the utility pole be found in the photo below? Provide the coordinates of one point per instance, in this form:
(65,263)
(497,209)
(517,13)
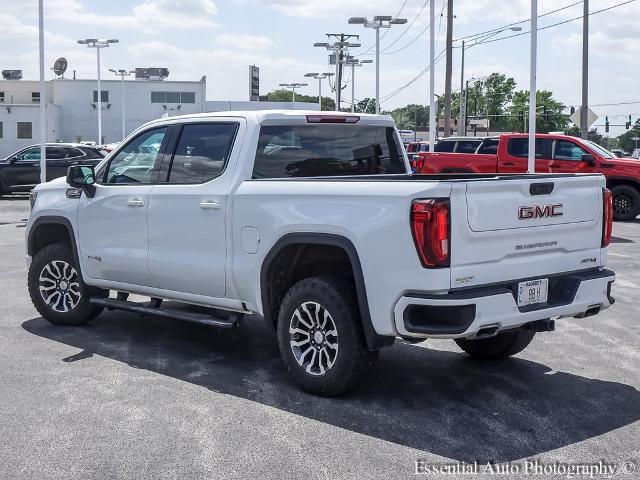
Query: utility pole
(433,128)
(531,161)
(462,96)
(584,128)
(447,73)
(43,100)
(338,48)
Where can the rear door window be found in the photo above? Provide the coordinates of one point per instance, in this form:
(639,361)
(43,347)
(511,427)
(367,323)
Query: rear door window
(327,150)
(519,147)
(202,152)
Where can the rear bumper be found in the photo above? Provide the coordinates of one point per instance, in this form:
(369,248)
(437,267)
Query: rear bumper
(470,313)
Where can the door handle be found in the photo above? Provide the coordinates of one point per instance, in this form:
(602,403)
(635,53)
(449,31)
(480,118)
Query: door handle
(208,205)
(135,202)
(507,164)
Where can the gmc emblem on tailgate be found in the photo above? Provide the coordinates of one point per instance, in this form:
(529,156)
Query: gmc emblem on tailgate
(540,211)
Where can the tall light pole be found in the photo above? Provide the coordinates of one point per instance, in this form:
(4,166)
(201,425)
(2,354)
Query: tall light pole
(584,128)
(43,100)
(378,22)
(477,41)
(123,73)
(319,77)
(531,164)
(354,62)
(98,44)
(338,48)
(293,87)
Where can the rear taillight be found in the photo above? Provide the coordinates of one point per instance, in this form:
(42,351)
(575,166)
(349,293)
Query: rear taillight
(417,163)
(607,216)
(430,228)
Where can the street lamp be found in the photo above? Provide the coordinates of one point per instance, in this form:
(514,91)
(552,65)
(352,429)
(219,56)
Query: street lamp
(338,48)
(319,77)
(293,87)
(123,73)
(354,62)
(377,23)
(98,44)
(477,41)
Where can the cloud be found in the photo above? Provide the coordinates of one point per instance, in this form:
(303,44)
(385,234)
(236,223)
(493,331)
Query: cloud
(244,42)
(148,16)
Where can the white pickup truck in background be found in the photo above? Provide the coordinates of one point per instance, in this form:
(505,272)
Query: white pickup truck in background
(313,221)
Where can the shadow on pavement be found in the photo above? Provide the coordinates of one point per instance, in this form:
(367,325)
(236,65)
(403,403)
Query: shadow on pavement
(439,402)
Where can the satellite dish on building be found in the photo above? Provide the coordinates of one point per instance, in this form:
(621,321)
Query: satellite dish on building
(60,66)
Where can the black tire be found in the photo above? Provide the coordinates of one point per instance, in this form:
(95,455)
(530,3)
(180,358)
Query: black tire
(502,345)
(352,359)
(626,203)
(70,304)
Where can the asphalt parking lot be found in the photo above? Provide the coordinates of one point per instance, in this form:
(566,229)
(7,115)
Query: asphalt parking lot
(133,397)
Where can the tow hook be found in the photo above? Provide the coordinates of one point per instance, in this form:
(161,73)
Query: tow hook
(546,325)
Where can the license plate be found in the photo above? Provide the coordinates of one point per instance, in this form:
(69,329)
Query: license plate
(532,292)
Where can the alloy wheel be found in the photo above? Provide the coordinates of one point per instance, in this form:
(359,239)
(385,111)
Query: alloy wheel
(313,338)
(59,286)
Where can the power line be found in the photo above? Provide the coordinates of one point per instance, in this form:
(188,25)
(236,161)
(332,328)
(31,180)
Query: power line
(517,23)
(408,26)
(561,23)
(412,81)
(426,29)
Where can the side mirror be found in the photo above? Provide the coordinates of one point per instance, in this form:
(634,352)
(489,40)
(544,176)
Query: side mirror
(587,157)
(83,177)
(13,159)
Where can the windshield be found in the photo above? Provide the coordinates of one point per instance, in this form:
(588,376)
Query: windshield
(601,150)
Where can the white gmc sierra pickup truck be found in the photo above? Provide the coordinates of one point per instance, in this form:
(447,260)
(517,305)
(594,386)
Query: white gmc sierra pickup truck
(312,221)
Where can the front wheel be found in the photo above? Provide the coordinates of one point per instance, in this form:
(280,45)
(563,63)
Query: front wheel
(320,336)
(56,287)
(626,203)
(502,345)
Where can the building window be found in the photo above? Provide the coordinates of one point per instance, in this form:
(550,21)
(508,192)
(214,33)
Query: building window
(1,131)
(35,98)
(187,97)
(25,130)
(158,97)
(173,97)
(1,97)
(104,96)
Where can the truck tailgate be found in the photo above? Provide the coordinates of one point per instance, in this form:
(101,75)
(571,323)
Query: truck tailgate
(525,227)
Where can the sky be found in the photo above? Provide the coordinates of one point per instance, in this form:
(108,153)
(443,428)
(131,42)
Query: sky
(221,38)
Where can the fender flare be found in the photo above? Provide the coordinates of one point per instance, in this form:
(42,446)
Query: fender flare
(373,339)
(53,220)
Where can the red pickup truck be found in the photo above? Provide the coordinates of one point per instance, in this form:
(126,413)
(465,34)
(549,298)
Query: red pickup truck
(554,154)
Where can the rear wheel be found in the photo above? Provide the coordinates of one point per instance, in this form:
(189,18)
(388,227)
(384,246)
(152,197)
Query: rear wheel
(56,287)
(502,345)
(320,336)
(626,202)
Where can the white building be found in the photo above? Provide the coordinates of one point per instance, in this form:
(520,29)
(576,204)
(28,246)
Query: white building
(71,107)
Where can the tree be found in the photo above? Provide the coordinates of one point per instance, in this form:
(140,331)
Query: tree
(489,97)
(283,95)
(553,121)
(593,135)
(366,105)
(411,117)
(625,141)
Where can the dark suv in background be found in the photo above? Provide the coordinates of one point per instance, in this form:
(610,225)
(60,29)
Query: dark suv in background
(20,172)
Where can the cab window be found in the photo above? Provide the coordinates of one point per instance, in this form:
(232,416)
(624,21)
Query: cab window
(137,161)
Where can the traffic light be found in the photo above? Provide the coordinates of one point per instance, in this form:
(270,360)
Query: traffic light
(628,124)
(606,124)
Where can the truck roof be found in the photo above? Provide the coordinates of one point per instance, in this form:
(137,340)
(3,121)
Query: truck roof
(260,116)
